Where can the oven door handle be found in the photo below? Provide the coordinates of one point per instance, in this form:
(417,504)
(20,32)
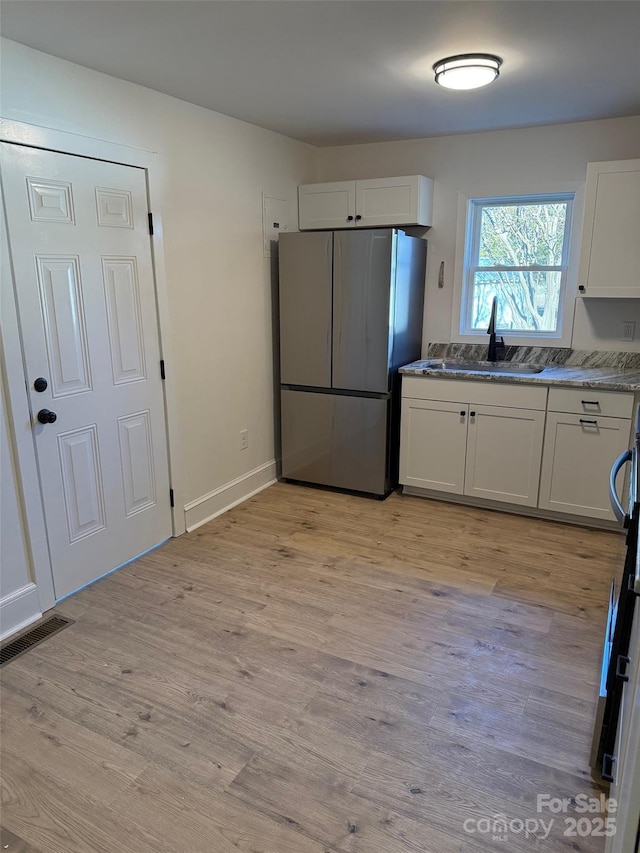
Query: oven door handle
(616,506)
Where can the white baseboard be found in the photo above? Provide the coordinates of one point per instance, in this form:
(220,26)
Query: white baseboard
(210,506)
(18,610)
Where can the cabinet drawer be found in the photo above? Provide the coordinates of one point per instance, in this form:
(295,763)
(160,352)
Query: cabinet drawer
(479,392)
(590,401)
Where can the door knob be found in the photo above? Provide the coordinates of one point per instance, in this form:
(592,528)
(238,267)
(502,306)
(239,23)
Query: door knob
(40,384)
(47,417)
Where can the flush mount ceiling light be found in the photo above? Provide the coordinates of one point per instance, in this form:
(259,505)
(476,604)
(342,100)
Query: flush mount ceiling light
(467,70)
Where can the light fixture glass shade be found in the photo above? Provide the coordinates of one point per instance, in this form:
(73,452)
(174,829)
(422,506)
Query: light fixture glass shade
(467,71)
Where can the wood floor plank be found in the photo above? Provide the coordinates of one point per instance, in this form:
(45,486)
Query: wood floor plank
(315,672)
(11,842)
(194,820)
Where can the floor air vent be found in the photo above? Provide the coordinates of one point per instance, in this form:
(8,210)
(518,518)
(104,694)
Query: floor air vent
(36,635)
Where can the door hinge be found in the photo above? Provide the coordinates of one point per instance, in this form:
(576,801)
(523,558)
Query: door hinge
(162,373)
(150,215)
(171,503)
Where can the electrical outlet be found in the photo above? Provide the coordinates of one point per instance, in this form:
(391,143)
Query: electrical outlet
(627,330)
(244,439)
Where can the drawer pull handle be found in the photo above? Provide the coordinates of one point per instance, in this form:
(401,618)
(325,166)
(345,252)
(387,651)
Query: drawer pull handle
(585,421)
(621,667)
(590,402)
(607,766)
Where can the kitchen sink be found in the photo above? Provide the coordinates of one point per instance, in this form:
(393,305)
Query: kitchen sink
(484,366)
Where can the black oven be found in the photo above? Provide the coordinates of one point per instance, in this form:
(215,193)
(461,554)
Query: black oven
(620,619)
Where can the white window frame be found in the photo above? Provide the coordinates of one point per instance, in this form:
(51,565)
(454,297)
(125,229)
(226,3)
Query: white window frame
(573,192)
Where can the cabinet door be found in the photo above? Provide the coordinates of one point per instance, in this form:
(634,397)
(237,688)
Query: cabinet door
(432,445)
(504,452)
(330,205)
(610,251)
(578,454)
(393,201)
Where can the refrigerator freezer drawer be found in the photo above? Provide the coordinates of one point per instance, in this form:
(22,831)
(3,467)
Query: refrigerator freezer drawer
(335,440)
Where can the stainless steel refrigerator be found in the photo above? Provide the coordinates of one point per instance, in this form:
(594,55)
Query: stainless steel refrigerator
(350,314)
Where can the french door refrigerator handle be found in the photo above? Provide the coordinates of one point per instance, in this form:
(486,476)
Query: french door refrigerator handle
(616,506)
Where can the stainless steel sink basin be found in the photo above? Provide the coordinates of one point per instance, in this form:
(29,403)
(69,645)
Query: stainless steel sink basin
(519,368)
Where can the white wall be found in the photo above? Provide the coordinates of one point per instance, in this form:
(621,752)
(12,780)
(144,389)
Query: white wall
(510,158)
(214,171)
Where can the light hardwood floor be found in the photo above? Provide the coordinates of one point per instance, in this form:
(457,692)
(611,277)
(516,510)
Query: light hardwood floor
(315,673)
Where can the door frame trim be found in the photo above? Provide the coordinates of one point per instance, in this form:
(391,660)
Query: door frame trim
(35,136)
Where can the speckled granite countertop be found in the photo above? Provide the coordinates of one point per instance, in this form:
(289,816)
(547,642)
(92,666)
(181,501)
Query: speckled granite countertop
(607,370)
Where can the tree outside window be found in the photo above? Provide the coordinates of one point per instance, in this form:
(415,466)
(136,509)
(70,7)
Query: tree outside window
(517,250)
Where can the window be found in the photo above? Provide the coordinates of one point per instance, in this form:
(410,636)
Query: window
(517,250)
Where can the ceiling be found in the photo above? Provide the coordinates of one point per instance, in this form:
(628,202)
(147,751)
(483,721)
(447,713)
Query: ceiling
(350,71)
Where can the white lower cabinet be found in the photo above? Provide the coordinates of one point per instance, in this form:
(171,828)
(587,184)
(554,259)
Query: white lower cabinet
(433,445)
(478,450)
(578,454)
(524,445)
(504,448)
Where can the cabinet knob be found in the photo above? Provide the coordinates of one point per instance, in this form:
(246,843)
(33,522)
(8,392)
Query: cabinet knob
(472,414)
(358,216)
(349,218)
(462,413)
(581,288)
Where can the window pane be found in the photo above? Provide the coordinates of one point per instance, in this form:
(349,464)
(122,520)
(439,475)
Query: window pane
(522,234)
(527,301)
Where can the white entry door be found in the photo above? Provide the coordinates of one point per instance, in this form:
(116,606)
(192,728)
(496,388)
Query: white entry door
(83,272)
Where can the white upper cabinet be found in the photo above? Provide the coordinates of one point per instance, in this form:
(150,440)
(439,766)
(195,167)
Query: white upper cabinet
(372,203)
(610,250)
(327,205)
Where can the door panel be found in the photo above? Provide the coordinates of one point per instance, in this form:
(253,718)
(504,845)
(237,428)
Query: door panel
(136,457)
(305,308)
(504,454)
(363,270)
(81,253)
(126,337)
(335,440)
(64,324)
(82,482)
(433,445)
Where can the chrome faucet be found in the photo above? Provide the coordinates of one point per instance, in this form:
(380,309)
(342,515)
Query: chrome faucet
(496,344)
